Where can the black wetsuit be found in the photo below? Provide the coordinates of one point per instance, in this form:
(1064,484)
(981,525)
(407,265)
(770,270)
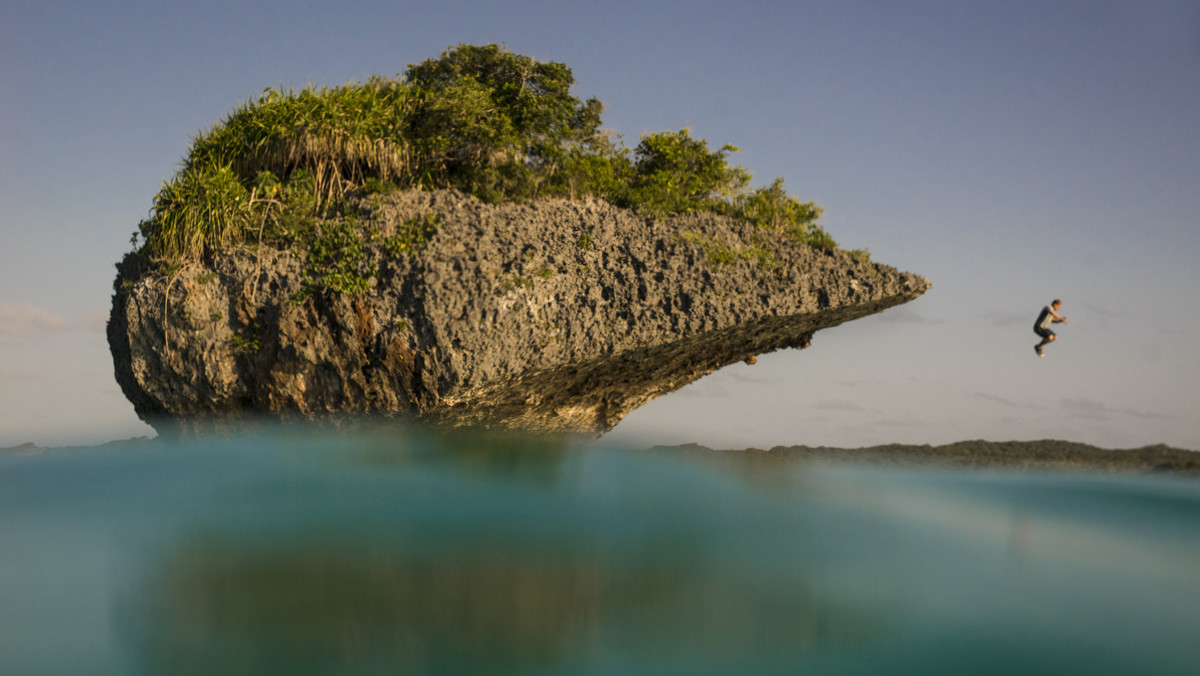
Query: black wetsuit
(1042,325)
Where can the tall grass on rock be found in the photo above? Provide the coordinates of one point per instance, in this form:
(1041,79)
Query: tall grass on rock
(479,119)
(198,211)
(339,136)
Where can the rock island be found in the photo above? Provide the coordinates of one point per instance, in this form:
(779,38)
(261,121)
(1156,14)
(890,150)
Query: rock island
(463,245)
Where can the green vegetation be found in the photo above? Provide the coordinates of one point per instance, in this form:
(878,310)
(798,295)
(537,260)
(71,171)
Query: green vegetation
(510,282)
(480,119)
(717,255)
(250,341)
(337,260)
(771,208)
(673,173)
(413,235)
(863,255)
(198,211)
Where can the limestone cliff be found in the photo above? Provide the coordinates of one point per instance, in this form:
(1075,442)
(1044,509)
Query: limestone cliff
(553,315)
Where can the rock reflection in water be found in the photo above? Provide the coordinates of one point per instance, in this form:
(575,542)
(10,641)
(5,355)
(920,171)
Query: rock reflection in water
(340,604)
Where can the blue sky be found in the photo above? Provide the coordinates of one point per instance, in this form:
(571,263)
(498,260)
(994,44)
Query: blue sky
(1011,152)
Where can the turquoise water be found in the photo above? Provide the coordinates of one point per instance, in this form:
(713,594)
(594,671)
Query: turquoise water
(375,553)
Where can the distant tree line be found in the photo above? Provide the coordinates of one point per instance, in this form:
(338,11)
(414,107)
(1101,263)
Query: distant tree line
(1042,454)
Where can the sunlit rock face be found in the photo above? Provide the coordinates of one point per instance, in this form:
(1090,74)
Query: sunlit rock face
(554,315)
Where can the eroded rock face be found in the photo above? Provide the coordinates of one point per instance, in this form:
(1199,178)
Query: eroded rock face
(556,315)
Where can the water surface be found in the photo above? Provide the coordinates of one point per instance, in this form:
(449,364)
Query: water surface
(374,553)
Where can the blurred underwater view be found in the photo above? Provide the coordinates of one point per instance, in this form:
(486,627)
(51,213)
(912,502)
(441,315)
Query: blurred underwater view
(373,551)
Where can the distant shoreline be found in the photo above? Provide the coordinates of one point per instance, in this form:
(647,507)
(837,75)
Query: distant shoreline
(1046,454)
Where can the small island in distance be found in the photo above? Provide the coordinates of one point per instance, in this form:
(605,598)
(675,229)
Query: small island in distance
(1041,455)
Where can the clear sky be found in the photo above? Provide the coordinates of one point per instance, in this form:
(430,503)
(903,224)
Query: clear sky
(1011,152)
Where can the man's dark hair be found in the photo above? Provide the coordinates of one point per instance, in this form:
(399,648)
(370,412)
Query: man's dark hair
(1056,302)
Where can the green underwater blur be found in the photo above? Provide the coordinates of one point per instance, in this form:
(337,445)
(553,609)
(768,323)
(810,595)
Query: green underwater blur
(384,551)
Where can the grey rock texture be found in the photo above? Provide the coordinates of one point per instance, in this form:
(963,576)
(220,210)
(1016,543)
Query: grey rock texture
(554,315)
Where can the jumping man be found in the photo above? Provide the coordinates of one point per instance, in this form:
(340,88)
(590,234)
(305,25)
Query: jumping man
(1041,327)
